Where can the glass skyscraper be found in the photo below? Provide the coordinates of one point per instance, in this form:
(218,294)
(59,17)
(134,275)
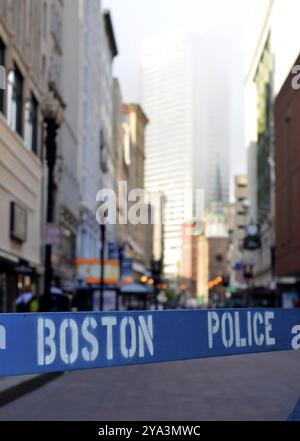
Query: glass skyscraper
(186,98)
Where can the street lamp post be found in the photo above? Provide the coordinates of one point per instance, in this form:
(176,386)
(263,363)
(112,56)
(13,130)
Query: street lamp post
(102,249)
(156,267)
(53,114)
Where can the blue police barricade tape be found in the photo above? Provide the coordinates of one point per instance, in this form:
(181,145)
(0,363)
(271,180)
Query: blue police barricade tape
(45,342)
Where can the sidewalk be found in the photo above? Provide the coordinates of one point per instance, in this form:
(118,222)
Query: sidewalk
(15,386)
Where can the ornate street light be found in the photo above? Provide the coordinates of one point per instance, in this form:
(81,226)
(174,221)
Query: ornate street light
(53,111)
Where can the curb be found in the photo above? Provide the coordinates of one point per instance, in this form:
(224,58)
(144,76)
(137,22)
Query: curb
(23,387)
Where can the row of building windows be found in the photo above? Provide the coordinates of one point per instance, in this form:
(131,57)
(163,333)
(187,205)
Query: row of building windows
(16,111)
(2,62)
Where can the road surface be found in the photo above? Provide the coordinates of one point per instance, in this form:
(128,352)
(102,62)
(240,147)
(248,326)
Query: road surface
(248,387)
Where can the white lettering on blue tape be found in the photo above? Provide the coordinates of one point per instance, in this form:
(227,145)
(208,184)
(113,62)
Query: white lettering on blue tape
(45,342)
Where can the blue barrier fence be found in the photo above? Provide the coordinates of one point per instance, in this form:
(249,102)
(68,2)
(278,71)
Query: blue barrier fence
(49,342)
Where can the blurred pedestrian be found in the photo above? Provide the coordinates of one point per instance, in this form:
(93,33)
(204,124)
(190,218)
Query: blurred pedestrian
(182,299)
(27,301)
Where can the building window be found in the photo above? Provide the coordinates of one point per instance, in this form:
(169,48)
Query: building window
(15,100)
(2,63)
(103,153)
(31,123)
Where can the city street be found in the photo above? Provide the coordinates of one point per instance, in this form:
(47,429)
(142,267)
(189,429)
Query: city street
(248,387)
(150,212)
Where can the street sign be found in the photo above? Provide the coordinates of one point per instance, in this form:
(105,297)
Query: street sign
(113,252)
(127,266)
(127,270)
(51,234)
(49,342)
(89,270)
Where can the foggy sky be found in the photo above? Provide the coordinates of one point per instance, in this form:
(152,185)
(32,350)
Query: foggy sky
(136,21)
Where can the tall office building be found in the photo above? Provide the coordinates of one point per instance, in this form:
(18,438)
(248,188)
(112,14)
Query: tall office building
(186,97)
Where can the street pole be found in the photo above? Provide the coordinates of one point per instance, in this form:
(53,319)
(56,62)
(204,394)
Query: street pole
(155,296)
(102,249)
(121,256)
(53,111)
(51,127)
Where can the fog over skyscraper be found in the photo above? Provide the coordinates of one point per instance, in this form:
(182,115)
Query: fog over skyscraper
(186,94)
